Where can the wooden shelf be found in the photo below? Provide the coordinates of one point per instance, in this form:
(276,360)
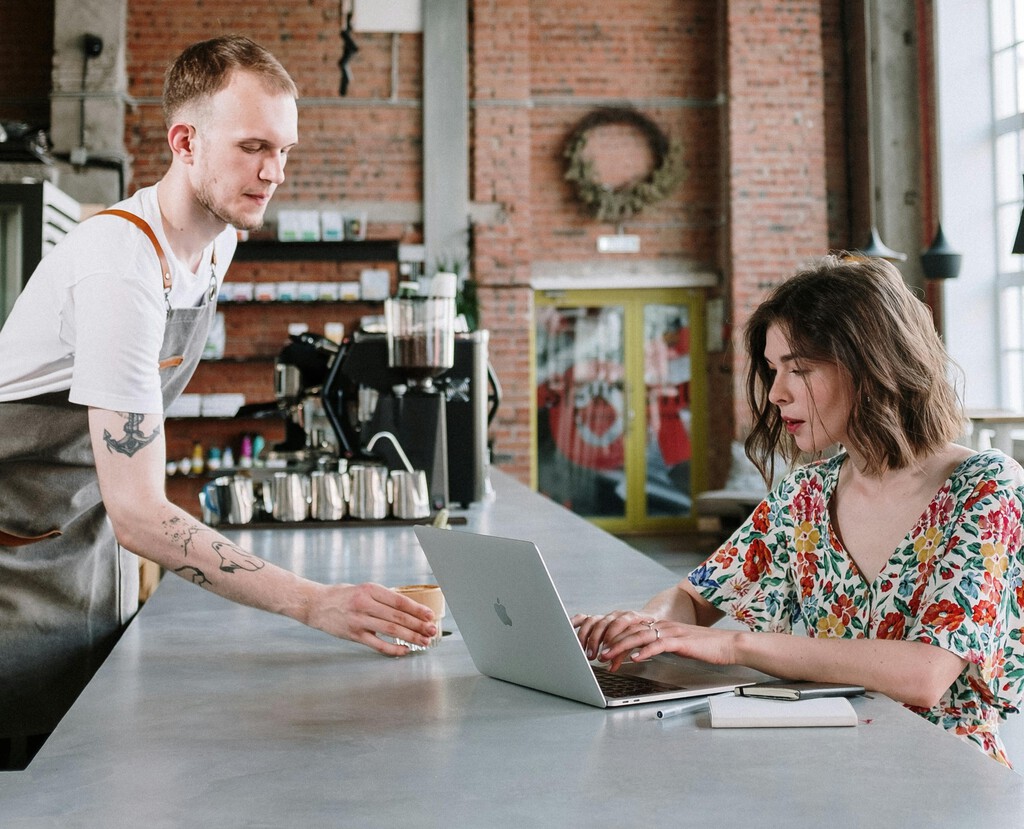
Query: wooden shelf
(252,331)
(349,521)
(221,303)
(239,360)
(233,418)
(270,250)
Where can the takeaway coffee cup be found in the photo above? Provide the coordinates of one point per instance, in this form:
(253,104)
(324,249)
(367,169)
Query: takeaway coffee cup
(431,596)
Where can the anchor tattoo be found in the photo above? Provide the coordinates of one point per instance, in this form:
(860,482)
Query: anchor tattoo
(133,439)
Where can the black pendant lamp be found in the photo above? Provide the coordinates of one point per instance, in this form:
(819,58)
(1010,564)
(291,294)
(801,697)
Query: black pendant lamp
(940,261)
(878,249)
(1018,243)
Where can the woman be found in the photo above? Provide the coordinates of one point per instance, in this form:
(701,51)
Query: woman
(900,555)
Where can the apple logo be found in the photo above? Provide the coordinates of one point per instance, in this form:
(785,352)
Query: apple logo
(499,608)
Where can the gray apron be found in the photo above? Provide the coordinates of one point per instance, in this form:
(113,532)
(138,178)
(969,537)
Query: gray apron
(67,589)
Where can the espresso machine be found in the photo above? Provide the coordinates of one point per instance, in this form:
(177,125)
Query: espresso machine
(436,392)
(403,400)
(300,370)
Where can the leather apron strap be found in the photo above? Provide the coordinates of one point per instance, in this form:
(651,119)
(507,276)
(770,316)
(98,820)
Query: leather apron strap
(12,540)
(143,225)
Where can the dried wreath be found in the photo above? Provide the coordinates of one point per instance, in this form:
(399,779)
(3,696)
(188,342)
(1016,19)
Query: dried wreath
(612,204)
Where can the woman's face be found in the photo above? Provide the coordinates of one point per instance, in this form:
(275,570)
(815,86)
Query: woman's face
(814,398)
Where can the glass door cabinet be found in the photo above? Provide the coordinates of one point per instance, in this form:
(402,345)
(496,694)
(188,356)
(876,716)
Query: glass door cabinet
(619,417)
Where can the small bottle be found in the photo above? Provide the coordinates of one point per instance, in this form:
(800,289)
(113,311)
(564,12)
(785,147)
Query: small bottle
(258,445)
(228,458)
(213,460)
(245,461)
(197,458)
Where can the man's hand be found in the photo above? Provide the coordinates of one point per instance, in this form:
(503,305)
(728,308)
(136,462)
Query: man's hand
(361,612)
(129,450)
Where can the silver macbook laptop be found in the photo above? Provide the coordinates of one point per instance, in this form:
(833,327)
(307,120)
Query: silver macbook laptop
(516,628)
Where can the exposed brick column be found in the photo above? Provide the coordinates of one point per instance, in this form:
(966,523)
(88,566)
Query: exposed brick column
(776,180)
(500,130)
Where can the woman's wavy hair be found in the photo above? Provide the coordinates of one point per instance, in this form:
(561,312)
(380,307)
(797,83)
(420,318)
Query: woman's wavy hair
(858,314)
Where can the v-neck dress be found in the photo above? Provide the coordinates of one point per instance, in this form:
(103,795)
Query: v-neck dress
(955,581)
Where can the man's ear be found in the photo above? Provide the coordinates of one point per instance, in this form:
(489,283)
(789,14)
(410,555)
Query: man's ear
(181,138)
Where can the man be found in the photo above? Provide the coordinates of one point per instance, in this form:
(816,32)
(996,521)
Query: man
(106,334)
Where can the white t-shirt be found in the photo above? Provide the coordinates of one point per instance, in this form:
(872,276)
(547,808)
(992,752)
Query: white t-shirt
(91,318)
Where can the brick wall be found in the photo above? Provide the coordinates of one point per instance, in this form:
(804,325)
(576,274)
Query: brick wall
(776,179)
(502,172)
(361,147)
(661,56)
(741,83)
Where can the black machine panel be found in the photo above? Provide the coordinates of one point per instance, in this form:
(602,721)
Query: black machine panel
(359,400)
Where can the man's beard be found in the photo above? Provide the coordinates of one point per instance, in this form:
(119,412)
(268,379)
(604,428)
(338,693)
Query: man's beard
(205,198)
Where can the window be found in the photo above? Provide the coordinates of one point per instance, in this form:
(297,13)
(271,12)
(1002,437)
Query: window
(1007,54)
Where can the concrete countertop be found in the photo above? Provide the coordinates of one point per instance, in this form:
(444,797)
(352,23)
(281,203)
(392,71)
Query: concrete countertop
(213,714)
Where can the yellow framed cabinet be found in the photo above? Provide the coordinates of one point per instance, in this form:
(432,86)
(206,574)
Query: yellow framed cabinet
(620,414)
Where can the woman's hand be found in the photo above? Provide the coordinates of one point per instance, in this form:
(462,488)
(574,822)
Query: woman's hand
(622,635)
(595,632)
(679,603)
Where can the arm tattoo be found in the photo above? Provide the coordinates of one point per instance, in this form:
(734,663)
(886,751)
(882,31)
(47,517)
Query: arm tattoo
(193,574)
(182,532)
(234,558)
(134,439)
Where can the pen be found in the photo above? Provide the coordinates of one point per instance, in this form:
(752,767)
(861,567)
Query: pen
(682,708)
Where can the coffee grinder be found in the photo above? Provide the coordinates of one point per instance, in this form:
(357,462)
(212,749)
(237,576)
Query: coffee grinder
(367,393)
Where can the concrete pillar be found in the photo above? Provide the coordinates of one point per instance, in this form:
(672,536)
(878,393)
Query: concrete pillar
(87,124)
(445,132)
(895,130)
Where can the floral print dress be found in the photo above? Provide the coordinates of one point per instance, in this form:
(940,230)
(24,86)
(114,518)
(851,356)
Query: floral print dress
(955,581)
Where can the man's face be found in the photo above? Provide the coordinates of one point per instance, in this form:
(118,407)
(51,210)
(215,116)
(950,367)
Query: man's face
(241,145)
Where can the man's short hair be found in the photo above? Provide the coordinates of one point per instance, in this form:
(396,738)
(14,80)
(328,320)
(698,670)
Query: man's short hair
(205,68)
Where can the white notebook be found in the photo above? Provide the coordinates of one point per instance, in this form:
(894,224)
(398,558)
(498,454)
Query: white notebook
(729,711)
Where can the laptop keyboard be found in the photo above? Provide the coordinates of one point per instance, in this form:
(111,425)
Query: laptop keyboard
(618,686)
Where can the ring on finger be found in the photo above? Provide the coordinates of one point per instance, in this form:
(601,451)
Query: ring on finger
(657,633)
(649,623)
